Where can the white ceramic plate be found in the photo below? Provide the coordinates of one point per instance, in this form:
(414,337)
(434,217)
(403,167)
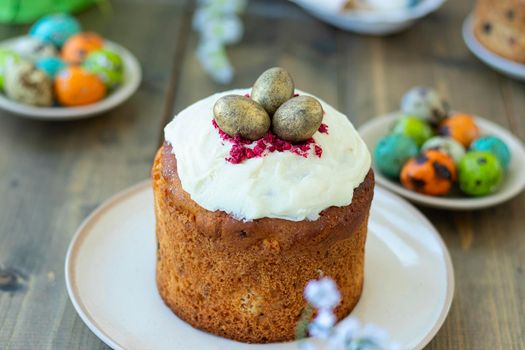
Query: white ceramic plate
(110,277)
(369,22)
(132,79)
(501,64)
(513,183)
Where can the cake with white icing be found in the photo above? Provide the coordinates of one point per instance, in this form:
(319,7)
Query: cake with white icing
(243,223)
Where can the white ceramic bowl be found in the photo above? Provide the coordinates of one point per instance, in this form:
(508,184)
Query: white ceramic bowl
(501,64)
(132,79)
(513,183)
(370,22)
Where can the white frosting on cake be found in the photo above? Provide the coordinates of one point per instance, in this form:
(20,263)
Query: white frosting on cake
(277,185)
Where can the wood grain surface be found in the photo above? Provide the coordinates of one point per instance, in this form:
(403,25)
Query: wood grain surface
(54,174)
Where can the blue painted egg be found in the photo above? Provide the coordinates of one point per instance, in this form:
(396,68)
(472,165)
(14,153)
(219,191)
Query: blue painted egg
(55,29)
(495,146)
(392,152)
(51,65)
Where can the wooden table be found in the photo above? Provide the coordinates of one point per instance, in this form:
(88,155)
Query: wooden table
(54,174)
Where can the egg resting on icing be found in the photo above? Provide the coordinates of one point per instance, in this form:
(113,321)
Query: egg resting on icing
(279,184)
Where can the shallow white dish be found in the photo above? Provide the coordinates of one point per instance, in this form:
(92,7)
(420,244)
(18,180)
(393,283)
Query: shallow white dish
(370,22)
(132,79)
(110,278)
(501,64)
(513,183)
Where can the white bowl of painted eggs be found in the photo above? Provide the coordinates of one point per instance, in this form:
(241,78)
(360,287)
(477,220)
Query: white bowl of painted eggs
(59,72)
(444,159)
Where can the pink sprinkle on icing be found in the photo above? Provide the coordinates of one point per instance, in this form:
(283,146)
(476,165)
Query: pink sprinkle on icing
(318,151)
(243,149)
(323,129)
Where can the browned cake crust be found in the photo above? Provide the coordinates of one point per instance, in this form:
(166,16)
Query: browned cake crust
(500,26)
(245,280)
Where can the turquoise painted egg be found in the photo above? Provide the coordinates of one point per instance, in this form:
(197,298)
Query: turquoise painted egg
(55,29)
(392,152)
(495,146)
(50,65)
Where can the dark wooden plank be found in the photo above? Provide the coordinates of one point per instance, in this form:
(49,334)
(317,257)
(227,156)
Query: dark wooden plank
(277,33)
(54,174)
(380,70)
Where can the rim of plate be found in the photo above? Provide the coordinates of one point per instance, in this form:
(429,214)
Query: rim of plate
(388,17)
(91,220)
(132,79)
(461,203)
(502,64)
(74,246)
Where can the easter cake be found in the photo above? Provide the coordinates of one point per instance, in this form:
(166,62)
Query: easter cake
(499,25)
(257,191)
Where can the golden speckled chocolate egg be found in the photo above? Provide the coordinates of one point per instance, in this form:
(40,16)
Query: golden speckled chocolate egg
(273,88)
(298,119)
(239,115)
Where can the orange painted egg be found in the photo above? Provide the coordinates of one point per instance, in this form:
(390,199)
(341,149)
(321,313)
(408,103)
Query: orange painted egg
(76,48)
(432,172)
(461,127)
(75,87)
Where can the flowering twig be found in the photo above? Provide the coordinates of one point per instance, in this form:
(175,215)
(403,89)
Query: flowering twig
(323,296)
(218,23)
(301,330)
